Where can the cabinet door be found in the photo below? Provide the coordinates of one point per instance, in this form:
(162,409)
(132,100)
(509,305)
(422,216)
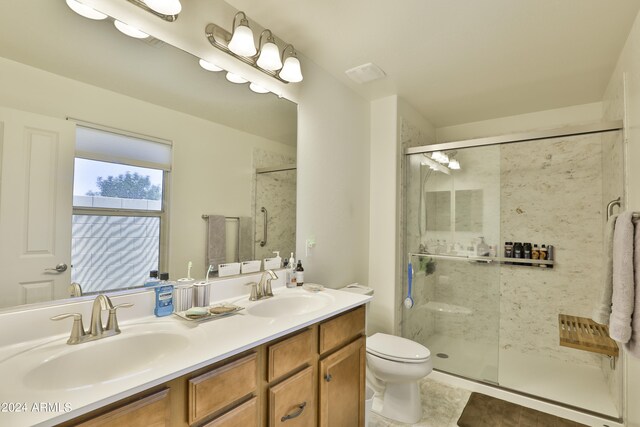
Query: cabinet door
(292,402)
(150,411)
(342,382)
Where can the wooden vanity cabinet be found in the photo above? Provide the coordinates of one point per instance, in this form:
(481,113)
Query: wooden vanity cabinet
(312,377)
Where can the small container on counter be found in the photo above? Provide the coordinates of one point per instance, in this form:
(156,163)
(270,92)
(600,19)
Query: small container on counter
(183,296)
(201,294)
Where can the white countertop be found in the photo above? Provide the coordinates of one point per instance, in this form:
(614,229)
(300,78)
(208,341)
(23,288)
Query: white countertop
(203,344)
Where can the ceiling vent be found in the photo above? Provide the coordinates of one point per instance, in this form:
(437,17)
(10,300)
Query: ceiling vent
(365,73)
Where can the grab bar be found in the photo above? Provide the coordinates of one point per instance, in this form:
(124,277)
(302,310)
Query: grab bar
(264,241)
(610,205)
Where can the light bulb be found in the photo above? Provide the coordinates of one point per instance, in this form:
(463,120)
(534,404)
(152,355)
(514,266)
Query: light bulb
(165,7)
(209,66)
(130,30)
(86,11)
(444,158)
(257,88)
(242,40)
(291,70)
(234,78)
(437,156)
(269,58)
(454,164)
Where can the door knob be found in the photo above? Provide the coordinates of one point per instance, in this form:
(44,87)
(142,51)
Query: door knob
(60,268)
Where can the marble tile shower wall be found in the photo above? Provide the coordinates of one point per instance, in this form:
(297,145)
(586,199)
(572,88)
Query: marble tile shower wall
(551,192)
(277,192)
(418,323)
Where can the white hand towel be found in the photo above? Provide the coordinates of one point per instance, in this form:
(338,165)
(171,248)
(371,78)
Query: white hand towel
(634,342)
(623,281)
(602,311)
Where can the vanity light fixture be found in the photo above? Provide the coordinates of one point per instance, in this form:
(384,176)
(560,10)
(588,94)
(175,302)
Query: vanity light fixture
(163,9)
(257,88)
(209,66)
(242,42)
(130,30)
(241,45)
(435,166)
(291,69)
(86,11)
(269,57)
(234,78)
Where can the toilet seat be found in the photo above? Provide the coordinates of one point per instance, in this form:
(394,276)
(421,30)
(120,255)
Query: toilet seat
(397,349)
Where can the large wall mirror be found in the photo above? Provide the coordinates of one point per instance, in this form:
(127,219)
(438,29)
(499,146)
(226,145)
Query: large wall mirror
(81,102)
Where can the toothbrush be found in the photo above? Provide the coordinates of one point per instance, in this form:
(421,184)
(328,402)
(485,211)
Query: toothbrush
(189,265)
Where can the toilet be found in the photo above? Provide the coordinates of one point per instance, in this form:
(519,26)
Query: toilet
(396,365)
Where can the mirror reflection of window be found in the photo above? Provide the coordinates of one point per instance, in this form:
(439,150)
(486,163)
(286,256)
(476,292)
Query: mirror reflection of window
(118,209)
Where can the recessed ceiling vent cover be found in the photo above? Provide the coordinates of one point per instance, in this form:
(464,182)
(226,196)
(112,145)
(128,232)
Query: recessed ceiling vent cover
(365,73)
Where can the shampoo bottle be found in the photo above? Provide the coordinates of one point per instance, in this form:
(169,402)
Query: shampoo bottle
(278,258)
(299,274)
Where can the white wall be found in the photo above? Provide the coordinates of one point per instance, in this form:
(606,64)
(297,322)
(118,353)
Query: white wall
(333,180)
(574,115)
(212,164)
(629,66)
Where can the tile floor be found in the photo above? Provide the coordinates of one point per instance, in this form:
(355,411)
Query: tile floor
(442,408)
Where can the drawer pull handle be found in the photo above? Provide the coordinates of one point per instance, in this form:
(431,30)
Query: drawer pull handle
(294,414)
(328,377)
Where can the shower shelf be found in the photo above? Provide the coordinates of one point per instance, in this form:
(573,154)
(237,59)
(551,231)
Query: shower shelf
(488,260)
(585,334)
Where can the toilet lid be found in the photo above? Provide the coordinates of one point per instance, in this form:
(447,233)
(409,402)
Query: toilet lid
(397,348)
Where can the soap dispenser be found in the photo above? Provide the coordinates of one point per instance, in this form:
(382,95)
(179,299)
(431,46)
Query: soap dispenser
(277,259)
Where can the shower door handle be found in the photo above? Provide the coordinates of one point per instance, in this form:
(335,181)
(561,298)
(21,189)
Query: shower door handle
(263,242)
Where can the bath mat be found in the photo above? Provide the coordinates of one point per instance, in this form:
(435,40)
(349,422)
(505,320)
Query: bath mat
(486,411)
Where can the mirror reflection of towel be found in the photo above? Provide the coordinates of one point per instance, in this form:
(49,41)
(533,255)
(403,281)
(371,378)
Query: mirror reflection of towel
(245,236)
(216,241)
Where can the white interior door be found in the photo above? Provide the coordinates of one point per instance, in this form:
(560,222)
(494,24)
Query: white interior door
(36,185)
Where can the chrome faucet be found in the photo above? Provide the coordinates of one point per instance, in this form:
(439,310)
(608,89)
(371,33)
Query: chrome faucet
(96,329)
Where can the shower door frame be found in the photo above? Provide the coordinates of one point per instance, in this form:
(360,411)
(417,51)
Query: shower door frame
(567,131)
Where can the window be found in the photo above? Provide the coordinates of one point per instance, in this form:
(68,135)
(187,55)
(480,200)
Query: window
(119,196)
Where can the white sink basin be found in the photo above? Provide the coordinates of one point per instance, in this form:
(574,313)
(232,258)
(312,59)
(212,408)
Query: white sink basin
(104,361)
(291,305)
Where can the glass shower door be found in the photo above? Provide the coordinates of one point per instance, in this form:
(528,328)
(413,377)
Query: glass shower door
(452,237)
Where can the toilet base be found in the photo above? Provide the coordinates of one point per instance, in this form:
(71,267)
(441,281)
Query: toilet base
(400,402)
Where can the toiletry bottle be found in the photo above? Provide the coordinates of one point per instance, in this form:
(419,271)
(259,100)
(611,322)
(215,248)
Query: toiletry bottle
(164,296)
(482,249)
(493,251)
(278,258)
(292,272)
(535,254)
(517,250)
(153,279)
(299,274)
(543,255)
(508,250)
(550,254)
(527,251)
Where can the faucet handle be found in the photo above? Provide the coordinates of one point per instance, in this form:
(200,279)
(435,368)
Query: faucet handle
(77,329)
(255,293)
(112,322)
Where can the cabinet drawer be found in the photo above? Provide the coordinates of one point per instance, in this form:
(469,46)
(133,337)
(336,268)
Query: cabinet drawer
(342,329)
(244,415)
(213,391)
(292,402)
(290,354)
(150,411)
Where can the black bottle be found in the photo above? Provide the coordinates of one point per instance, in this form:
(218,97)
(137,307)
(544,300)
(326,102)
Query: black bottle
(518,250)
(526,248)
(299,274)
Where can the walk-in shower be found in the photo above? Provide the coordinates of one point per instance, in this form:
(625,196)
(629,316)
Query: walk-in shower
(495,321)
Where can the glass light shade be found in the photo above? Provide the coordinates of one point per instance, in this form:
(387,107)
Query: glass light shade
(209,66)
(257,88)
(130,30)
(291,70)
(86,11)
(242,41)
(437,156)
(234,78)
(444,159)
(165,7)
(454,164)
(269,58)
